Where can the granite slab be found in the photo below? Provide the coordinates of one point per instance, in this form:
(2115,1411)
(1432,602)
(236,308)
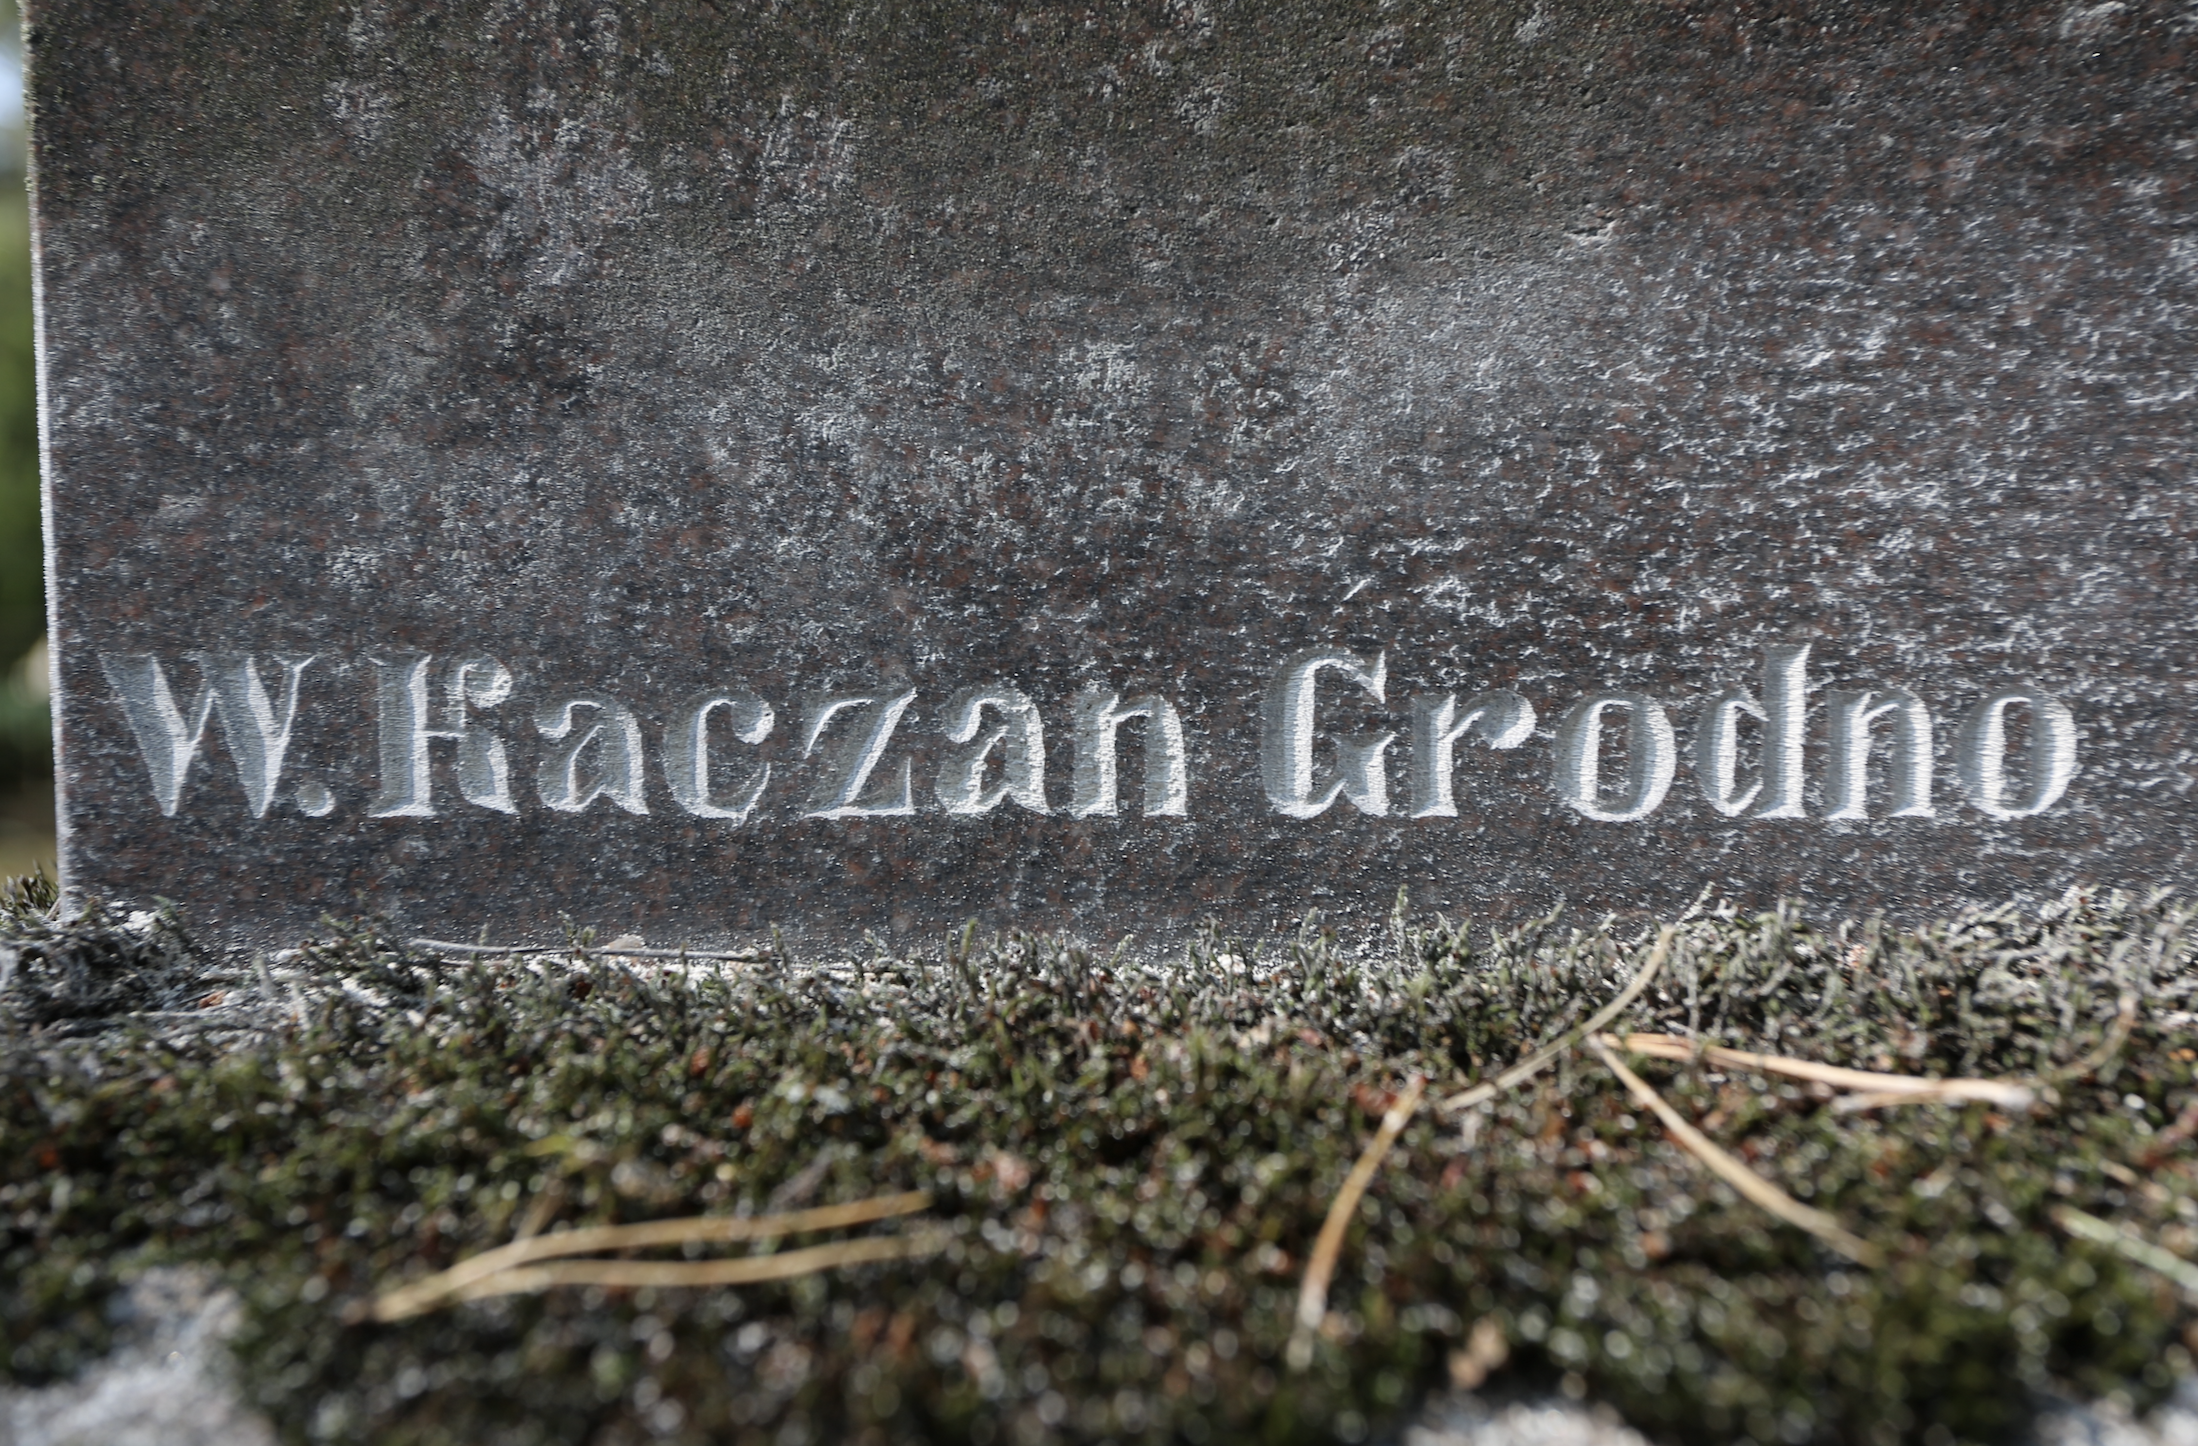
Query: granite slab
(700,468)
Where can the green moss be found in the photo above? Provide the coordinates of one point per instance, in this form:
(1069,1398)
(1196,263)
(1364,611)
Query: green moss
(1177,1134)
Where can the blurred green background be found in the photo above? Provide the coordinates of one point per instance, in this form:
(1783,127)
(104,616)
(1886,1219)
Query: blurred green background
(26,738)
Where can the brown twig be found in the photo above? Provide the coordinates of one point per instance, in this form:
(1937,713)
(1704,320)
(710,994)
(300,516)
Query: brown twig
(675,1274)
(1865,1100)
(1751,1185)
(541,1210)
(1312,1295)
(1879,1088)
(1539,1060)
(422,1295)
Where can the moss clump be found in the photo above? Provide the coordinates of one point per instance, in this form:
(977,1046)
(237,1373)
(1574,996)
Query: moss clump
(1132,1161)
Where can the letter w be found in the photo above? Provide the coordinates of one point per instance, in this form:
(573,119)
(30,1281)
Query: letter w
(257,732)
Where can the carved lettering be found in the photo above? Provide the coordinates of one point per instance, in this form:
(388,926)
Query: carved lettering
(1500,717)
(1651,756)
(1785,730)
(482,768)
(1980,752)
(1021,737)
(839,791)
(1847,775)
(687,753)
(1099,714)
(256,730)
(1286,739)
(1717,752)
(993,749)
(566,781)
(1783,712)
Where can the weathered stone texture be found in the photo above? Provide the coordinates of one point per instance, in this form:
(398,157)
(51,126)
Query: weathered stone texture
(801,349)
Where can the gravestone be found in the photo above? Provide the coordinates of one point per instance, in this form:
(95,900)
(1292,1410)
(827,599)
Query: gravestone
(700,467)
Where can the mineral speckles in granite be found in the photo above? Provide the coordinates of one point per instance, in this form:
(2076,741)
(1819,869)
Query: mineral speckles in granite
(701,471)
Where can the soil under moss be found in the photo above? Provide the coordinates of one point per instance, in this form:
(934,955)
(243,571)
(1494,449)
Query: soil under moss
(1131,1162)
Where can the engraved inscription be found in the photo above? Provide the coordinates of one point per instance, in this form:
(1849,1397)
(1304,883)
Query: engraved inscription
(483,768)
(1286,739)
(1783,712)
(1717,752)
(687,754)
(1981,753)
(1651,756)
(1501,718)
(256,730)
(839,792)
(1847,773)
(597,758)
(1099,714)
(1615,755)
(1019,735)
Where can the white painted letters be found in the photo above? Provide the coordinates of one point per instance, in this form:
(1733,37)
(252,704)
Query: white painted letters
(1286,739)
(1099,714)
